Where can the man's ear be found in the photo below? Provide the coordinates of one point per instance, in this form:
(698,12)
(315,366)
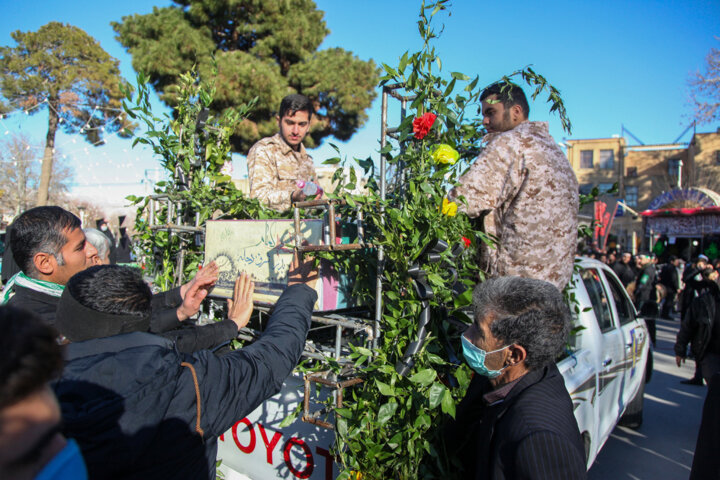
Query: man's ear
(44,263)
(516,113)
(517,354)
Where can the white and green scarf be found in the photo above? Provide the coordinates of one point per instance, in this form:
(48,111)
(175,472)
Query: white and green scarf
(42,286)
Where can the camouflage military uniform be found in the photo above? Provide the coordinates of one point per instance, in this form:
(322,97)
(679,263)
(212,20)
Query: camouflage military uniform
(273,170)
(525,184)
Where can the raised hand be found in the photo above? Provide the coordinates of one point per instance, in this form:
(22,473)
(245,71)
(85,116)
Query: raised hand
(241,306)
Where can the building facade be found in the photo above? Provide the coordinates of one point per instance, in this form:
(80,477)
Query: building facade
(638,174)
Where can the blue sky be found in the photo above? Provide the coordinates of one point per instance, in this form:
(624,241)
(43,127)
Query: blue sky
(615,63)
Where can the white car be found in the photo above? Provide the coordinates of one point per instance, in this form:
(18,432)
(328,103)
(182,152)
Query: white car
(605,374)
(611,359)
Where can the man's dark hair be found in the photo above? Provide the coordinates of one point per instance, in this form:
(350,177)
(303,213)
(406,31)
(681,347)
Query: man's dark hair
(508,94)
(295,103)
(40,229)
(527,312)
(111,289)
(30,358)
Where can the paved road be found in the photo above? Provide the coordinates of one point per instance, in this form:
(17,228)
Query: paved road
(662,448)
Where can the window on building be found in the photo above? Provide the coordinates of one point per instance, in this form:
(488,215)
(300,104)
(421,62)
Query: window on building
(586,159)
(604,188)
(632,172)
(607,159)
(631,196)
(586,188)
(674,167)
(717,157)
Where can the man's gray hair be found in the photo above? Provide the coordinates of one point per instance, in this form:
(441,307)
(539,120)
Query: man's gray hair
(527,312)
(98,240)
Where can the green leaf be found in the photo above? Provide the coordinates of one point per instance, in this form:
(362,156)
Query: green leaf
(424,377)
(448,404)
(386,412)
(459,76)
(435,394)
(464,299)
(332,161)
(289,419)
(385,389)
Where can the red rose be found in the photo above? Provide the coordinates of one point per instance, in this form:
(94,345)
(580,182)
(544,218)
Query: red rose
(422,124)
(466,241)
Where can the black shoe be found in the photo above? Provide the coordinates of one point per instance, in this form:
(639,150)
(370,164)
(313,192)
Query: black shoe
(692,381)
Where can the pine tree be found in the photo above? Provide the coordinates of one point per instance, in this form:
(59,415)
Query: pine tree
(265,49)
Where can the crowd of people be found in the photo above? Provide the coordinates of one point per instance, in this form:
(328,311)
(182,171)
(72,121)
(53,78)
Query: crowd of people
(101,378)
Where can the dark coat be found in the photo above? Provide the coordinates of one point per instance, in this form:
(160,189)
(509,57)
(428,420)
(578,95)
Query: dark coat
(669,278)
(645,296)
(164,311)
(624,272)
(706,462)
(699,326)
(41,304)
(531,434)
(131,405)
(188,337)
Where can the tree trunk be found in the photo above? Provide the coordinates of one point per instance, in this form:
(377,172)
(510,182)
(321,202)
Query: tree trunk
(47,163)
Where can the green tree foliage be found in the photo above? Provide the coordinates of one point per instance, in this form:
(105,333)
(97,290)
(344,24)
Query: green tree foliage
(62,67)
(193,148)
(389,425)
(252,48)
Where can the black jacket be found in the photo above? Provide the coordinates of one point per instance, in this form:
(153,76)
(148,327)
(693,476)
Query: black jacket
(624,272)
(531,434)
(706,461)
(187,337)
(669,277)
(41,304)
(699,326)
(131,405)
(645,296)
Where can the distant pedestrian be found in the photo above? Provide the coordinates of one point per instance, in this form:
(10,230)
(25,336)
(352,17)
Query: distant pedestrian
(692,284)
(623,269)
(700,327)
(670,280)
(645,292)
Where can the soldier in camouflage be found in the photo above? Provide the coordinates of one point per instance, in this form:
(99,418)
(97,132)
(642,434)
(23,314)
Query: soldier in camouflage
(276,164)
(524,190)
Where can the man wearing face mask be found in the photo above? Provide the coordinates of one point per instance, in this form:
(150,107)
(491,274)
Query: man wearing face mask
(104,227)
(516,420)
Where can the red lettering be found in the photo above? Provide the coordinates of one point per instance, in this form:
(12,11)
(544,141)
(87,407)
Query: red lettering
(269,446)
(222,437)
(251,445)
(328,462)
(309,463)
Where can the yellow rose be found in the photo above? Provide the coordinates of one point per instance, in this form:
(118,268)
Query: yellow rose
(445,154)
(449,208)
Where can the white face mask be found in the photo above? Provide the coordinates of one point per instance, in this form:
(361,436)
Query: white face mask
(103,228)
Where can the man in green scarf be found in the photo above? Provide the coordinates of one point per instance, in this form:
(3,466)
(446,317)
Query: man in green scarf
(49,247)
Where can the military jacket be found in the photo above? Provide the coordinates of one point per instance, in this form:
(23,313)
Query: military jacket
(528,193)
(274,169)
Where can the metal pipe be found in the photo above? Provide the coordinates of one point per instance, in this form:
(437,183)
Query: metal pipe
(331,223)
(380,250)
(296,221)
(338,341)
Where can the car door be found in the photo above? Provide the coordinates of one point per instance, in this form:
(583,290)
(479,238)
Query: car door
(611,353)
(634,337)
